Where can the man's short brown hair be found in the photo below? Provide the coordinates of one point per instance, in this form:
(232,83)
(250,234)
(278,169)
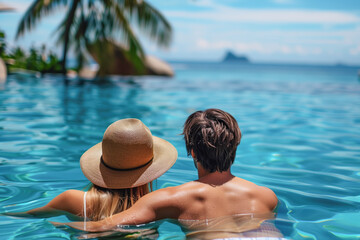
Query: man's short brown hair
(213,135)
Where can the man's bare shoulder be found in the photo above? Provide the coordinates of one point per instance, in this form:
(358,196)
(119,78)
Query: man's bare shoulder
(175,192)
(268,196)
(264,194)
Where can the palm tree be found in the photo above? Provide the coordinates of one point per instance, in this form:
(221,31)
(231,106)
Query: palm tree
(88,21)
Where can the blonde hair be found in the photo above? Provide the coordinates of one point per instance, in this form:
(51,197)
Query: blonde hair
(103,202)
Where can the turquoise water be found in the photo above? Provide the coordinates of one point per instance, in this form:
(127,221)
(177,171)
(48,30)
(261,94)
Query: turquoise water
(300,124)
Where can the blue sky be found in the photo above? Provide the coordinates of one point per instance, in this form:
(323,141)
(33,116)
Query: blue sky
(294,31)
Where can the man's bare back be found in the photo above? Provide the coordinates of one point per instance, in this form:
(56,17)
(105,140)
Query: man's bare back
(216,195)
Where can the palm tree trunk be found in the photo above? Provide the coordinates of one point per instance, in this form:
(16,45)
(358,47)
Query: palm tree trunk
(69,21)
(63,61)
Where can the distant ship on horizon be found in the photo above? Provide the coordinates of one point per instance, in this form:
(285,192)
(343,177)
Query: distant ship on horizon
(231,57)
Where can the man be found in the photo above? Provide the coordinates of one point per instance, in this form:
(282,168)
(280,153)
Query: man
(211,138)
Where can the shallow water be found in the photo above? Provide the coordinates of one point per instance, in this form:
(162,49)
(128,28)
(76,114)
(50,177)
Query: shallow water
(300,125)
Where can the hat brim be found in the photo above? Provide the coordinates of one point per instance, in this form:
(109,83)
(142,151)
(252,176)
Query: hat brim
(165,156)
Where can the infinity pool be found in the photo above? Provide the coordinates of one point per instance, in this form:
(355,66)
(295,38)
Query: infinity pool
(300,125)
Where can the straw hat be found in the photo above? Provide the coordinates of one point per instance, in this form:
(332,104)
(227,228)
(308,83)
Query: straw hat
(128,156)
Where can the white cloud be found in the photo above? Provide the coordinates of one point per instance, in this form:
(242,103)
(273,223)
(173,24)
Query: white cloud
(334,38)
(226,14)
(19,5)
(259,47)
(202,3)
(355,51)
(283,1)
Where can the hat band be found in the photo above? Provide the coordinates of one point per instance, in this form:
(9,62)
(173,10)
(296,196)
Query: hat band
(121,169)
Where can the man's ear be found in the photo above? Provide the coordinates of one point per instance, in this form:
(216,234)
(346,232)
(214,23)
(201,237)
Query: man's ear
(193,154)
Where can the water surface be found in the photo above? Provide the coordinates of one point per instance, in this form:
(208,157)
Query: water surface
(300,125)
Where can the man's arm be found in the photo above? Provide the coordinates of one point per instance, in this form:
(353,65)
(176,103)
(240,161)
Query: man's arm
(151,207)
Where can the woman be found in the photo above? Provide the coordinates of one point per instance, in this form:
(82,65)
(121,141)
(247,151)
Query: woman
(121,169)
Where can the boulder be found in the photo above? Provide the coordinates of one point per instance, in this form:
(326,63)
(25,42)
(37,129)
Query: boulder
(158,67)
(3,72)
(87,73)
(114,59)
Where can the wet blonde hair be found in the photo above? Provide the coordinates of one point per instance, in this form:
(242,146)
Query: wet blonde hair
(103,202)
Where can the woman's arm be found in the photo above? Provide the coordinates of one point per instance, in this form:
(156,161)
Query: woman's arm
(67,202)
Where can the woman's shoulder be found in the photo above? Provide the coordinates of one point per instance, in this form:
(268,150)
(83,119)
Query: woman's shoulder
(72,193)
(70,196)
(70,201)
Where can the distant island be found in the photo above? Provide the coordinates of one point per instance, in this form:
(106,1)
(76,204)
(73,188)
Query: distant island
(231,57)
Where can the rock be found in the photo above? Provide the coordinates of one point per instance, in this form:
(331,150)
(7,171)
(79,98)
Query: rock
(231,57)
(88,73)
(158,67)
(71,74)
(114,59)
(3,73)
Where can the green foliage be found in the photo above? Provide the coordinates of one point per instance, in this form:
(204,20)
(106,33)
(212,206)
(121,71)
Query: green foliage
(19,58)
(35,60)
(2,44)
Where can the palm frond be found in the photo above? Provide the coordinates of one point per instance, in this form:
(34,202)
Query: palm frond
(127,32)
(149,20)
(134,52)
(37,10)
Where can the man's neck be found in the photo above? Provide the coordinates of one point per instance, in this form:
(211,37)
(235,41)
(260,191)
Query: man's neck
(214,178)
